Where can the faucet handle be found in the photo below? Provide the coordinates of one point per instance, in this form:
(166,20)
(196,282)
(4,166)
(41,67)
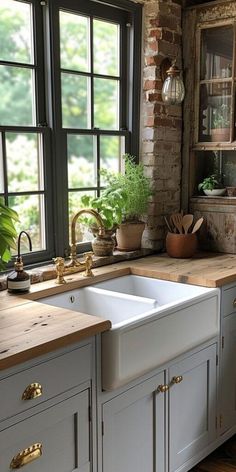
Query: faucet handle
(88,264)
(60,266)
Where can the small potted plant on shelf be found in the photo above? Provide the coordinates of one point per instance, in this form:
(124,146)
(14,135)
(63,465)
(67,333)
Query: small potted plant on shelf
(220,127)
(212,186)
(135,188)
(8,233)
(109,205)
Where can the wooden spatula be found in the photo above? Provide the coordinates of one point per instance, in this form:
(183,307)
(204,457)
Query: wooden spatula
(186,222)
(177,219)
(197,225)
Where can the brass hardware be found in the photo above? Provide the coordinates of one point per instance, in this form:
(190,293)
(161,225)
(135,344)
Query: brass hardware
(33,390)
(177,379)
(163,388)
(75,265)
(234,303)
(26,456)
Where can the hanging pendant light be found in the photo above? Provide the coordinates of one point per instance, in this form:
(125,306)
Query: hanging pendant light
(173,88)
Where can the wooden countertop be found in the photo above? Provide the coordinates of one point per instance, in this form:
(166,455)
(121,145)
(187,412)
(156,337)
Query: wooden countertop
(29,329)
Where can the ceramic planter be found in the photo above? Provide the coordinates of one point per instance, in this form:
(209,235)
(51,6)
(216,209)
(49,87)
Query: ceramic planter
(216,192)
(129,236)
(181,245)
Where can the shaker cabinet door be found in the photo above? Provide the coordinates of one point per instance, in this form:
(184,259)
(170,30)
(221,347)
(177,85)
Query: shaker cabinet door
(133,432)
(55,440)
(228,374)
(192,406)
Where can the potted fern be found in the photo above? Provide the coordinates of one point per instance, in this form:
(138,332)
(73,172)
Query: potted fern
(8,233)
(135,188)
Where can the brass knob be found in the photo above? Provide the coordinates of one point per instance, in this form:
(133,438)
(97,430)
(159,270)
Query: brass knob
(163,388)
(26,456)
(234,303)
(177,379)
(33,390)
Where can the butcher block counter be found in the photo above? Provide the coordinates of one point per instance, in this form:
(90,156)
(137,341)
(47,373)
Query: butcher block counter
(29,329)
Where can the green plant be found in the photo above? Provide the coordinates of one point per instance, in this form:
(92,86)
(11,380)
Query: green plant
(221,117)
(109,205)
(7,233)
(210,183)
(134,187)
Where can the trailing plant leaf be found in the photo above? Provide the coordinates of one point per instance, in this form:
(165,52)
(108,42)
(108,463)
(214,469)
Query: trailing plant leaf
(8,233)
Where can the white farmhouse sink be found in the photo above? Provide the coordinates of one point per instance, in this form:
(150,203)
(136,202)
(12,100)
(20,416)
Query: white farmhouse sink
(153,321)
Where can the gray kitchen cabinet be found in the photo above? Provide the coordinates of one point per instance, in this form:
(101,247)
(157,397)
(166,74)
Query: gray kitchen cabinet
(173,411)
(55,440)
(46,412)
(228,358)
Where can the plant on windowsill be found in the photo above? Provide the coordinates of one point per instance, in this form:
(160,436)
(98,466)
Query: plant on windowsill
(109,205)
(212,186)
(220,127)
(8,233)
(136,190)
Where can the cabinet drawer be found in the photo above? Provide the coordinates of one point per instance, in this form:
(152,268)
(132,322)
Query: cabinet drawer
(58,438)
(54,376)
(229,301)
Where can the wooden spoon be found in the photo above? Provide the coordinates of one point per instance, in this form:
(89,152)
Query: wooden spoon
(197,225)
(177,219)
(186,222)
(168,225)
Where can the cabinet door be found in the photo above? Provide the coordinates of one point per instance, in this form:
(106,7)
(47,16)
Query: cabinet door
(134,433)
(60,433)
(192,406)
(228,374)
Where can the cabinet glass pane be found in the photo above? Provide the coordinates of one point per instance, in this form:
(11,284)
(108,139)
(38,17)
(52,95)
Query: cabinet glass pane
(74,101)
(220,163)
(17,97)
(106,103)
(24,162)
(82,167)
(32,219)
(106,48)
(74,42)
(216,52)
(15,32)
(215,112)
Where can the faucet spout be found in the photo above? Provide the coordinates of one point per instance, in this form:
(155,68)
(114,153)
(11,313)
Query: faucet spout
(101,229)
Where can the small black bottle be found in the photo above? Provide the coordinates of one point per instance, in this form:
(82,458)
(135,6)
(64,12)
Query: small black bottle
(18,281)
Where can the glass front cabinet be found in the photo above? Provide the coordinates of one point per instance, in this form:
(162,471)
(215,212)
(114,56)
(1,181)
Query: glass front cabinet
(209,139)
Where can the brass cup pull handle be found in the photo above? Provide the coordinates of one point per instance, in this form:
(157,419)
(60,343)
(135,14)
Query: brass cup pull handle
(177,379)
(234,303)
(33,390)
(162,388)
(26,456)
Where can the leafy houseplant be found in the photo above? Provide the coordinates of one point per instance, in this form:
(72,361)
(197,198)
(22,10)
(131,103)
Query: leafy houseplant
(211,186)
(8,233)
(135,189)
(220,126)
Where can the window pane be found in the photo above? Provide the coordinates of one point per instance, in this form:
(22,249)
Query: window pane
(32,219)
(15,32)
(215,112)
(74,101)
(110,153)
(82,167)
(106,103)
(106,48)
(24,162)
(1,167)
(16,92)
(216,52)
(82,232)
(74,42)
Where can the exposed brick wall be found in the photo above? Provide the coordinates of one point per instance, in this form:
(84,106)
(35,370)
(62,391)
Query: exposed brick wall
(161,124)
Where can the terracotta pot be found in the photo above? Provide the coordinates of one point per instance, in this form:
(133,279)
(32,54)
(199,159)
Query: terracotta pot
(129,236)
(231,191)
(103,245)
(220,134)
(181,245)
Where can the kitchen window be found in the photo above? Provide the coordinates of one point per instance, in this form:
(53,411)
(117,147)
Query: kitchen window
(69,87)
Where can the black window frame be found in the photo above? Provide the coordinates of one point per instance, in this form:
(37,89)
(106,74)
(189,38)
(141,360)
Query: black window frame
(46,41)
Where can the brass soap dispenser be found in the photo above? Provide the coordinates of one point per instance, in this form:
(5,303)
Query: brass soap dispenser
(18,281)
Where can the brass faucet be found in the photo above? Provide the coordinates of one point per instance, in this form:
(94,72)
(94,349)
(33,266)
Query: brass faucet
(75,265)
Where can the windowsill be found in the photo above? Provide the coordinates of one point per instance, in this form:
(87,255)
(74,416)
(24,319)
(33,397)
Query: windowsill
(48,272)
